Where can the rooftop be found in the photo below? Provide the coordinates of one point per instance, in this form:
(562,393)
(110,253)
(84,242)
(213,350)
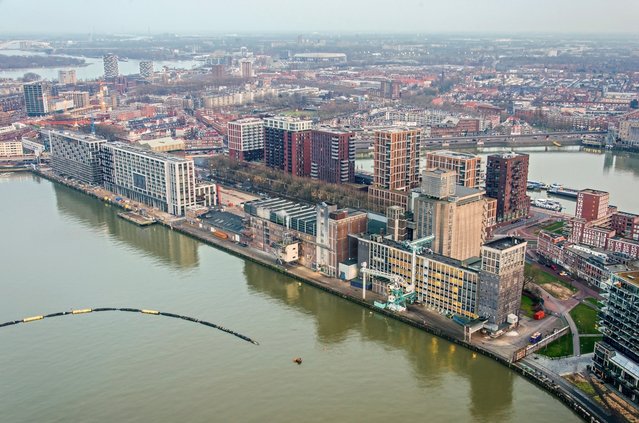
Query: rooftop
(593,192)
(504,243)
(630,277)
(80,136)
(453,154)
(247,120)
(148,153)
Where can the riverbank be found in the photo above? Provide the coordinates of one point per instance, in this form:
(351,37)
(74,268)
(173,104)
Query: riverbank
(427,321)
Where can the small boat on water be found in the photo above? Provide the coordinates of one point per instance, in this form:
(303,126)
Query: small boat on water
(547,204)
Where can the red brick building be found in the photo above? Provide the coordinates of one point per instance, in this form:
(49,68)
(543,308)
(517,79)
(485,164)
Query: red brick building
(287,144)
(333,155)
(506,181)
(592,204)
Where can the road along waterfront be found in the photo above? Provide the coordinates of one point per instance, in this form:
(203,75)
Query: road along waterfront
(67,250)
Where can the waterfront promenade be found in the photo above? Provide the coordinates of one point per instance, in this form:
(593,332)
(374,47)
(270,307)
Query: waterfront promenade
(430,321)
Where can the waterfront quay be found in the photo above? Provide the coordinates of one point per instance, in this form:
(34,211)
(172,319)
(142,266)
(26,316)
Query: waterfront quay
(432,322)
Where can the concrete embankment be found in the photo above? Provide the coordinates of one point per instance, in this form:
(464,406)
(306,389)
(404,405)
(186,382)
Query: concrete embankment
(443,328)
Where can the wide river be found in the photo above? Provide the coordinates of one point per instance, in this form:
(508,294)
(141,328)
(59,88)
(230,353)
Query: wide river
(63,250)
(617,173)
(94,66)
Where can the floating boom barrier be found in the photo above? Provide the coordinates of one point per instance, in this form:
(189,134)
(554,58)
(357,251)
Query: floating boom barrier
(131,310)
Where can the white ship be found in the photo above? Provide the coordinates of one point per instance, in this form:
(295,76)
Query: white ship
(544,203)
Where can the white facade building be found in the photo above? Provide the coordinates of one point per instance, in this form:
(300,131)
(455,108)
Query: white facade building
(159,180)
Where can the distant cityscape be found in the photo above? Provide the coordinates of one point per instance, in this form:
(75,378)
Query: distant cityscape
(255,150)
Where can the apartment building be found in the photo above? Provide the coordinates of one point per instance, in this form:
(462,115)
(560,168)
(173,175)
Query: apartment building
(466,165)
(616,358)
(159,180)
(333,155)
(396,166)
(246,139)
(76,155)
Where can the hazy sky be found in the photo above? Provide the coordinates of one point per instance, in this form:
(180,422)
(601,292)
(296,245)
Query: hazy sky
(426,16)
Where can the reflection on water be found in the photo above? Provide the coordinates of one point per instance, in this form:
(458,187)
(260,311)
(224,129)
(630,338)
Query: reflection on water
(164,245)
(622,162)
(431,358)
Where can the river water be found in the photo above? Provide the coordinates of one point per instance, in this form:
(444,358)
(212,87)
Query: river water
(94,68)
(615,172)
(63,250)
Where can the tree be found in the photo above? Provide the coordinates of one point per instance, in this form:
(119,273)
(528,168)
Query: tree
(634,104)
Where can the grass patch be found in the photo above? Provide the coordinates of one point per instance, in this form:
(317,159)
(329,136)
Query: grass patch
(527,306)
(555,286)
(587,343)
(585,318)
(580,382)
(560,347)
(555,227)
(593,301)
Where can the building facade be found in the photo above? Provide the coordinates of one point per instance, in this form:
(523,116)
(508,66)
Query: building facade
(506,181)
(455,215)
(246,139)
(287,144)
(76,155)
(467,166)
(592,204)
(36,98)
(333,243)
(452,286)
(10,148)
(501,279)
(67,76)
(396,166)
(333,155)
(246,69)
(159,180)
(146,68)
(276,224)
(616,358)
(111,70)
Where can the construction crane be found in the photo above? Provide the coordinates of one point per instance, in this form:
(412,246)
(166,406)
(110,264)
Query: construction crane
(399,293)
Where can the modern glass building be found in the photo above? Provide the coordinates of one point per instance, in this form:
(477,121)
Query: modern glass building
(616,358)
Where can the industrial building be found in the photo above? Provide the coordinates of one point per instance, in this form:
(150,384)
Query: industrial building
(488,288)
(159,180)
(333,155)
(616,358)
(246,139)
(455,215)
(276,224)
(333,243)
(76,155)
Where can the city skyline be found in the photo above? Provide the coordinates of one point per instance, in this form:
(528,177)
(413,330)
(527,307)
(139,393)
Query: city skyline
(425,17)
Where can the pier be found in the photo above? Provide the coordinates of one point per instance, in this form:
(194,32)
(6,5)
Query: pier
(136,218)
